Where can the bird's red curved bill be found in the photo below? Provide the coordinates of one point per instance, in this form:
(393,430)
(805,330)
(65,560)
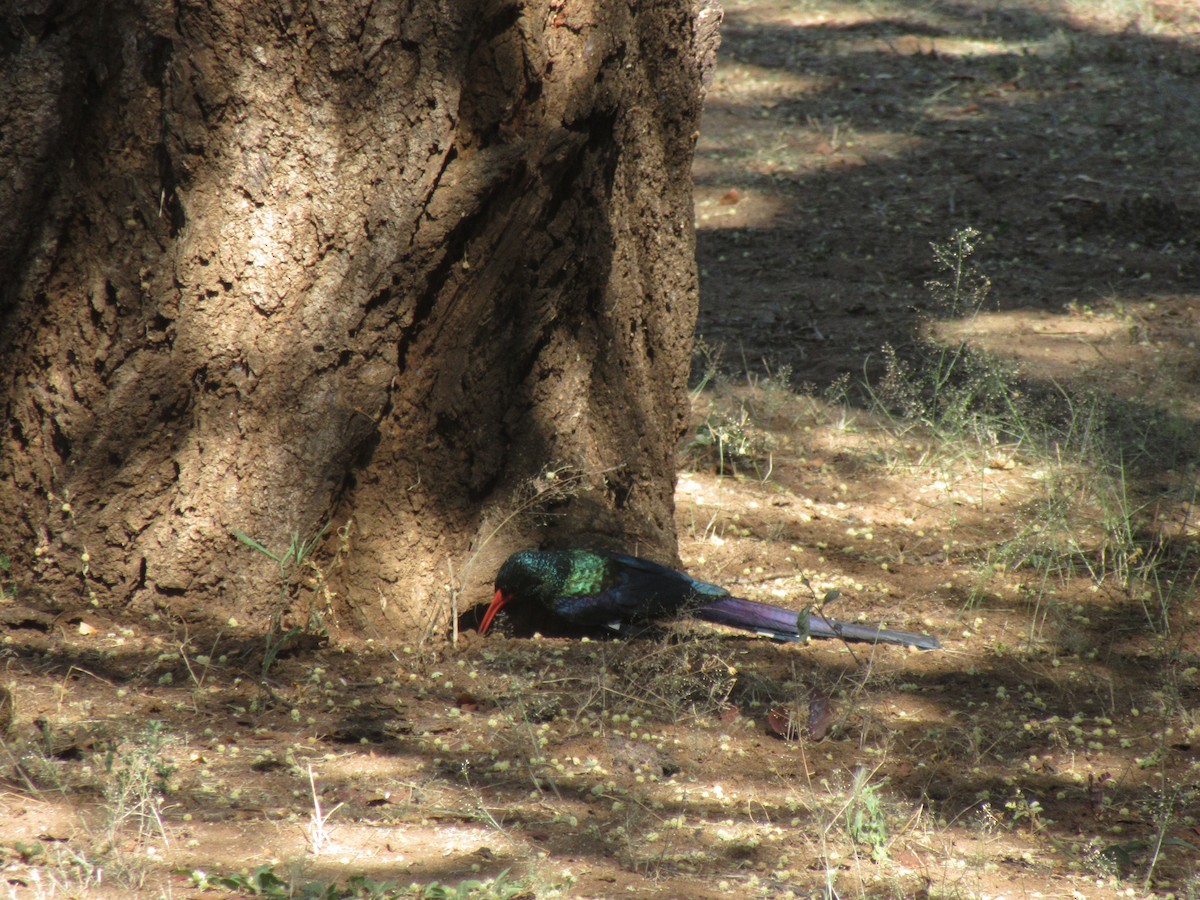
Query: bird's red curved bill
(494,607)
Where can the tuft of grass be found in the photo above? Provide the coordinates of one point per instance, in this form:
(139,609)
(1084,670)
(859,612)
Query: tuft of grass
(7,588)
(864,818)
(735,434)
(953,390)
(728,440)
(299,575)
(134,780)
(138,781)
(1082,518)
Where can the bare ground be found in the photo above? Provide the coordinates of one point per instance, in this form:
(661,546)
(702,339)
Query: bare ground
(1052,749)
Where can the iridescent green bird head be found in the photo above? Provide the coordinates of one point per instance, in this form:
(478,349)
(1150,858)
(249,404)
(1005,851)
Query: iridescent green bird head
(528,576)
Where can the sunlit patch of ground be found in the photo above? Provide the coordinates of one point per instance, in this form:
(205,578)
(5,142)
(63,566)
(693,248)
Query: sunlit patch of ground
(1142,352)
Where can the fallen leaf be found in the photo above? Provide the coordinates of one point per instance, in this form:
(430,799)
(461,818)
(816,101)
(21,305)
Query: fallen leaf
(782,723)
(821,712)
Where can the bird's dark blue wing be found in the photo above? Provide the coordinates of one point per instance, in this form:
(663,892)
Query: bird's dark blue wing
(636,590)
(636,571)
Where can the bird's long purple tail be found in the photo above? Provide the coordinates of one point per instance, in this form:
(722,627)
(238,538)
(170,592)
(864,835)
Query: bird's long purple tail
(785,624)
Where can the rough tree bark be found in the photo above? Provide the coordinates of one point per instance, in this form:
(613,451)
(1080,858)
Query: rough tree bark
(420,270)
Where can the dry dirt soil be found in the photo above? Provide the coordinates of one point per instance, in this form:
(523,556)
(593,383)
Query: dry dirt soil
(1051,749)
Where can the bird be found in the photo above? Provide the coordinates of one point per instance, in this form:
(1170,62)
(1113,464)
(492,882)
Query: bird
(596,589)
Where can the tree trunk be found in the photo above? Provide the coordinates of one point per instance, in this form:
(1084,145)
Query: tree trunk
(422,274)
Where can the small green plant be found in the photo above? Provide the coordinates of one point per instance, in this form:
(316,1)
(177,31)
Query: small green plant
(707,360)
(7,588)
(732,440)
(731,436)
(138,781)
(291,560)
(262,882)
(1176,795)
(1025,809)
(293,563)
(956,391)
(864,817)
(499,888)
